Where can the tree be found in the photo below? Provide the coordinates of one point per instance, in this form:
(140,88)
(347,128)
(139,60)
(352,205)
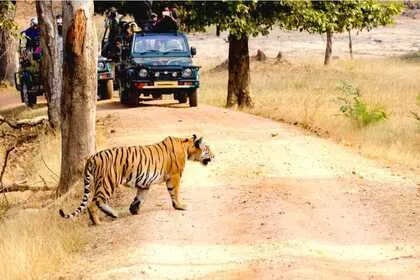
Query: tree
(51,63)
(372,14)
(8,34)
(330,17)
(242,19)
(79,90)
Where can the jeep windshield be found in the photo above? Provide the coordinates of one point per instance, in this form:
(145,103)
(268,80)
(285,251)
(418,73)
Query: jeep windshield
(159,45)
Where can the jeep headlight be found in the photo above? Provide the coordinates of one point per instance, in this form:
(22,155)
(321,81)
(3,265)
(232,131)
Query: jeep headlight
(101,66)
(143,73)
(187,73)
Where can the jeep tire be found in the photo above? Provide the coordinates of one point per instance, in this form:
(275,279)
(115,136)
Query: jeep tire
(27,97)
(193,98)
(132,98)
(122,93)
(105,89)
(181,97)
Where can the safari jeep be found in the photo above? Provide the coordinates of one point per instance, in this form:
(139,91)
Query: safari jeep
(156,64)
(105,78)
(28,78)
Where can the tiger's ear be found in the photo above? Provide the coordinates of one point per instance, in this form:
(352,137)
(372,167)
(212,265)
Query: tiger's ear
(194,137)
(197,143)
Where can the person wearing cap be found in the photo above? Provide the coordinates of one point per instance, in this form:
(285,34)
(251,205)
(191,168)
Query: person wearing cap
(32,34)
(168,22)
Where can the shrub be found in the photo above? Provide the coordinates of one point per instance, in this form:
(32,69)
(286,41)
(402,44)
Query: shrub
(356,109)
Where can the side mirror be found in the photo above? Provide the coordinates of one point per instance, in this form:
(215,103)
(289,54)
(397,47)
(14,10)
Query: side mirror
(193,51)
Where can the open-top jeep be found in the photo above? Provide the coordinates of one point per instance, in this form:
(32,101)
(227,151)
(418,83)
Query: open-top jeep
(156,64)
(105,78)
(28,77)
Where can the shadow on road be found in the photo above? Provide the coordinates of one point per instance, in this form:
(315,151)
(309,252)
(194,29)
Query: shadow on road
(144,102)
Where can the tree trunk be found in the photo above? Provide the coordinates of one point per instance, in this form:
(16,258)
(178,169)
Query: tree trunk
(52,61)
(8,43)
(328,50)
(78,106)
(239,74)
(350,45)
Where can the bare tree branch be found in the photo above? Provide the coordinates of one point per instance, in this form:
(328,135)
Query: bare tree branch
(20,139)
(49,169)
(24,123)
(22,188)
(3,170)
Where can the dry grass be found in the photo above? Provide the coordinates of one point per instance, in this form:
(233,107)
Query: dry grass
(33,245)
(35,242)
(23,112)
(306,94)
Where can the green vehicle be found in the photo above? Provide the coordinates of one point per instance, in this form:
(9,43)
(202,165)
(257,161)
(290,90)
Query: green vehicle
(156,64)
(28,78)
(105,78)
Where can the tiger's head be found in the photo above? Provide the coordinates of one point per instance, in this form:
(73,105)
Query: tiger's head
(199,151)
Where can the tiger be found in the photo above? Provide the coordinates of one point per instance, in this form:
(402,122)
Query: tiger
(139,167)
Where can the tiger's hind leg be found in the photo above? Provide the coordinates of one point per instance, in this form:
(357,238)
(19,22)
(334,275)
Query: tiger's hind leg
(138,200)
(106,208)
(93,215)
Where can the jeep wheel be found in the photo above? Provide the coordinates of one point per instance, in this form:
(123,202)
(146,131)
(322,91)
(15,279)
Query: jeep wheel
(181,97)
(116,78)
(132,98)
(122,93)
(109,89)
(105,89)
(193,96)
(28,98)
(32,99)
(22,95)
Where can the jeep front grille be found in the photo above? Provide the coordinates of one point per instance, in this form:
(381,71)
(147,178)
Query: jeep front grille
(166,75)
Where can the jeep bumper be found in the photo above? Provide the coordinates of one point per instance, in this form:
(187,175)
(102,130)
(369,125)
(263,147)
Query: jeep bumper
(165,86)
(105,76)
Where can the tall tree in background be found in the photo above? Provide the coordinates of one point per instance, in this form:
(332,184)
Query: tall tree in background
(331,17)
(242,19)
(52,61)
(79,90)
(371,14)
(8,42)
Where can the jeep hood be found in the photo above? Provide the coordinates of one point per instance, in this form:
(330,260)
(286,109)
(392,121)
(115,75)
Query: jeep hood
(164,61)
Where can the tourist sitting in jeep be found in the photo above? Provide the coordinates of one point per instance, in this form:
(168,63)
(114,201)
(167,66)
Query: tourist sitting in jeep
(28,78)
(32,35)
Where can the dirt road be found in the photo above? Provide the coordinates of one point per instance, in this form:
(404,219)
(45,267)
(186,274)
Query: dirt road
(275,204)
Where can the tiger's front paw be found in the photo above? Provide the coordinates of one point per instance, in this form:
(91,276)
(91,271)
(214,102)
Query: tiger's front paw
(179,206)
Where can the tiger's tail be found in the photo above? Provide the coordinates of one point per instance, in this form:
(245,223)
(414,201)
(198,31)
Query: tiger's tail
(88,174)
